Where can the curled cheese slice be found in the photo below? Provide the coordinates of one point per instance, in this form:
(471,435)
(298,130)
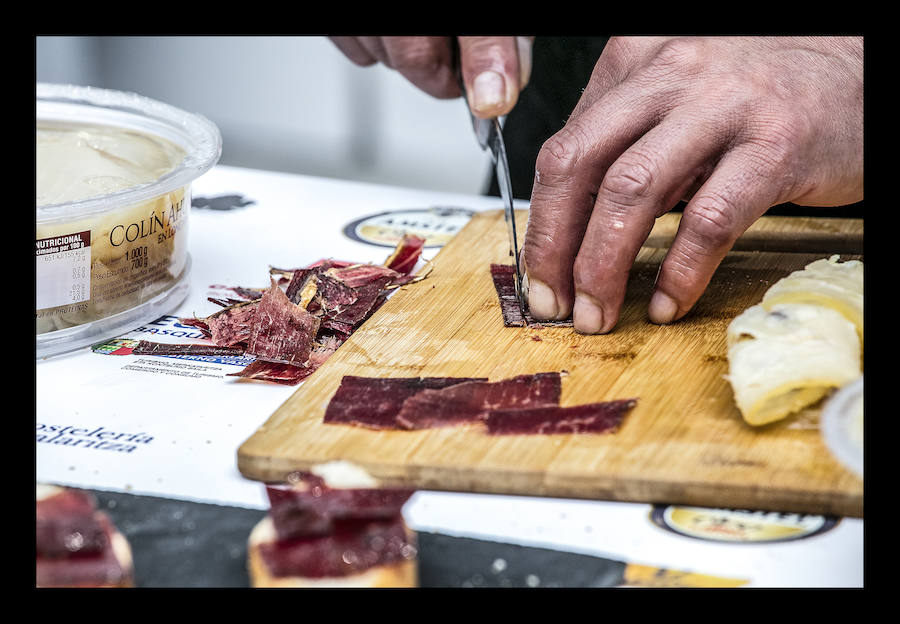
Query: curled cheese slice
(826,282)
(788,357)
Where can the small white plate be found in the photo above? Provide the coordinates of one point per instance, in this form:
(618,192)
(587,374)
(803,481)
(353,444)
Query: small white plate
(842,426)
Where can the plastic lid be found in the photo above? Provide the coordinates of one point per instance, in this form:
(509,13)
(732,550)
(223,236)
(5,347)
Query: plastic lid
(197,135)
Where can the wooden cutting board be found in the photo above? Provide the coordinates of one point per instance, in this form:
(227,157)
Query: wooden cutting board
(684,443)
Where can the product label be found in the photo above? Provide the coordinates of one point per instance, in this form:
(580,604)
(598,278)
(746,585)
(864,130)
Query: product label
(63,270)
(436,225)
(739,525)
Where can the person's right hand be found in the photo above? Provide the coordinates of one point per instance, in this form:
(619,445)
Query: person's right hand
(731,125)
(494,69)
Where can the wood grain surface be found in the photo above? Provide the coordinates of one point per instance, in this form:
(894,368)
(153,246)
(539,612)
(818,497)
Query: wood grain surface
(685,441)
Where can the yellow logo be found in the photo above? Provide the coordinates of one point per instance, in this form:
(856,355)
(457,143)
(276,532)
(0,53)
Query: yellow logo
(437,225)
(739,525)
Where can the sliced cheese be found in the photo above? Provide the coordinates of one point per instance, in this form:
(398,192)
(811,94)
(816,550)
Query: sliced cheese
(787,357)
(826,282)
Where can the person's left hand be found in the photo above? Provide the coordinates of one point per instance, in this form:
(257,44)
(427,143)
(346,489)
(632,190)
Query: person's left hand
(494,69)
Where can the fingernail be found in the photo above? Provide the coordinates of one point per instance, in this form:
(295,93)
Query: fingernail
(488,91)
(525,285)
(662,308)
(523,44)
(541,300)
(587,316)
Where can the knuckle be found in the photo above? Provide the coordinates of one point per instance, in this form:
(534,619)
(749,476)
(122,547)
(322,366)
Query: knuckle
(541,245)
(781,132)
(417,56)
(558,157)
(629,179)
(680,54)
(713,220)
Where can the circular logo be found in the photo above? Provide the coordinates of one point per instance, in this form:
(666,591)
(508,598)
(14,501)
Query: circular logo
(739,525)
(436,224)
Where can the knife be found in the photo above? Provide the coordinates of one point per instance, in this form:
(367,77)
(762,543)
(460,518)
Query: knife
(489,134)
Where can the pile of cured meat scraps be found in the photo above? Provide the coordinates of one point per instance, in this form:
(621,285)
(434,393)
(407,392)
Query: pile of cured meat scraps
(293,326)
(525,404)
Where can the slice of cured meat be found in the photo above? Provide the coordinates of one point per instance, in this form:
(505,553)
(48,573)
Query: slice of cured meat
(66,524)
(353,545)
(77,545)
(289,374)
(350,294)
(276,372)
(145,347)
(505,285)
(232,325)
(299,278)
(605,417)
(104,568)
(248,294)
(310,507)
(375,402)
(471,401)
(282,332)
(199,323)
(406,254)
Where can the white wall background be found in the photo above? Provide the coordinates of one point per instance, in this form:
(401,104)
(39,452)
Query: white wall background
(292,104)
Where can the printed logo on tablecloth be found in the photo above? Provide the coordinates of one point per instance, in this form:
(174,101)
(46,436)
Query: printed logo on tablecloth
(739,525)
(436,224)
(116,346)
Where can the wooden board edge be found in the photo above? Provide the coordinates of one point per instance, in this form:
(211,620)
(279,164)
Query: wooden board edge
(761,497)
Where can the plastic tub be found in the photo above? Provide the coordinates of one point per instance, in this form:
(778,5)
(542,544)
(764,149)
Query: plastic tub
(842,426)
(111,244)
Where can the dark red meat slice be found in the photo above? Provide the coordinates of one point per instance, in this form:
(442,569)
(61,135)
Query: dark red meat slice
(363,275)
(341,329)
(343,304)
(200,324)
(83,569)
(248,294)
(352,547)
(406,254)
(349,295)
(310,507)
(276,372)
(505,285)
(299,277)
(233,325)
(145,347)
(603,417)
(375,402)
(282,332)
(471,401)
(67,524)
(289,374)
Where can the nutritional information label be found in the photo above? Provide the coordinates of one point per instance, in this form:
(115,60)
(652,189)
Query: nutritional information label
(63,270)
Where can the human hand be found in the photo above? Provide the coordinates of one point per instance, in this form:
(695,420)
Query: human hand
(494,69)
(732,125)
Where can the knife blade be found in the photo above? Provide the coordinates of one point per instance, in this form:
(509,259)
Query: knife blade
(489,134)
(501,167)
